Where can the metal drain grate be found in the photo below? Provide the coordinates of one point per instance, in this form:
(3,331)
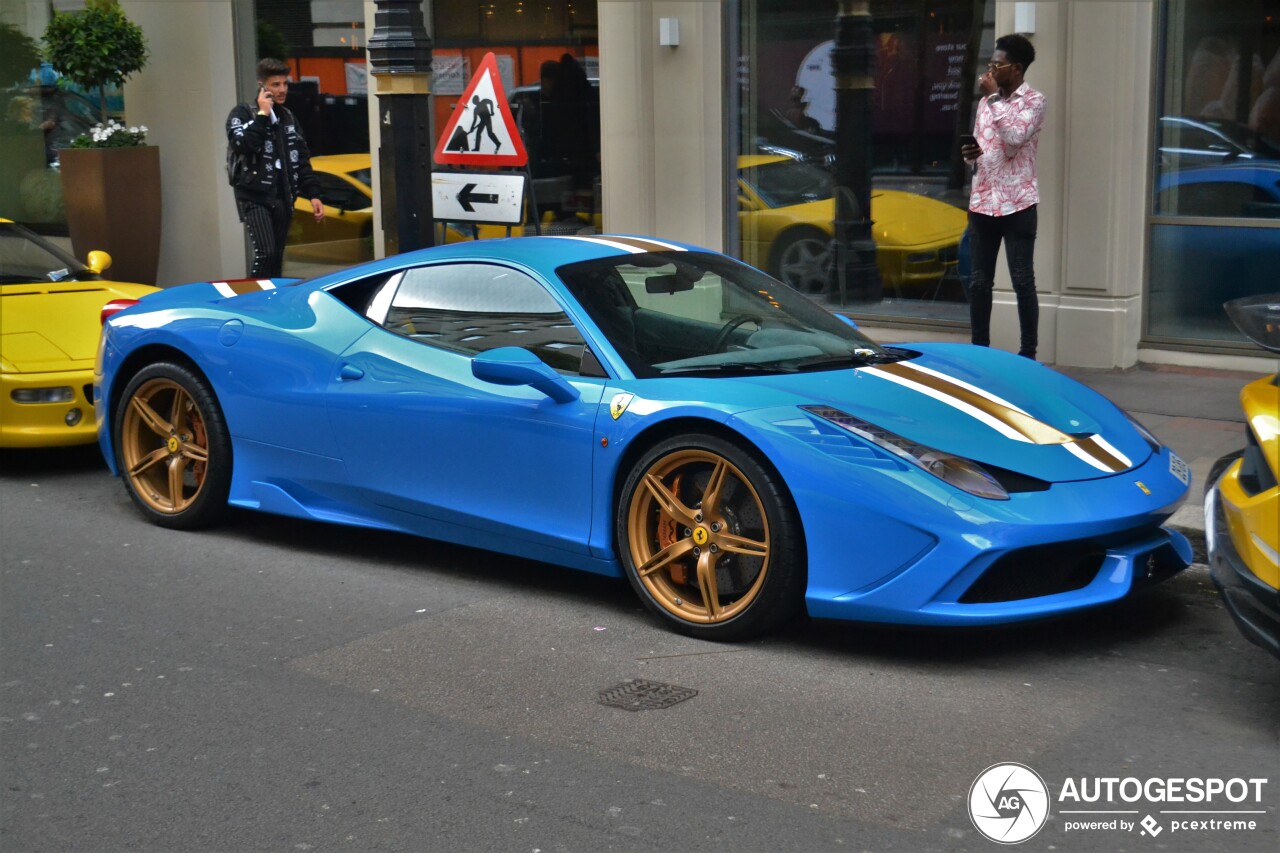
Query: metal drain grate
(636,694)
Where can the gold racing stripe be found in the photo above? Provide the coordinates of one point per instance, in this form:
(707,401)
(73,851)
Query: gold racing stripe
(240,286)
(643,245)
(1021,423)
(1107,458)
(1013,423)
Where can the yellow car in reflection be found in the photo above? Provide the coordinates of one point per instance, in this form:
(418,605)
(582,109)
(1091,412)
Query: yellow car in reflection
(786,207)
(1242,504)
(345,235)
(50,322)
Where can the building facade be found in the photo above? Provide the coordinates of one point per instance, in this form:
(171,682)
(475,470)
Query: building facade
(1158,168)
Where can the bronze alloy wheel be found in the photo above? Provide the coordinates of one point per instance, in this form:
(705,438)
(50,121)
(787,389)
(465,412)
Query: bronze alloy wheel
(172,447)
(698,536)
(164,446)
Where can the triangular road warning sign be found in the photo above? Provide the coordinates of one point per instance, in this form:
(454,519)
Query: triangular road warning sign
(482,130)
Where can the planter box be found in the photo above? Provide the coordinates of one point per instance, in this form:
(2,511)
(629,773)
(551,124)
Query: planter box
(112,197)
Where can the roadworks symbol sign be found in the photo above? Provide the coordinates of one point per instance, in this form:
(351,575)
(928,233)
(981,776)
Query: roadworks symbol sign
(482,130)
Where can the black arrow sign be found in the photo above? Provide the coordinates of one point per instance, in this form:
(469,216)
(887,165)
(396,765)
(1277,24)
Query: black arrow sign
(466,197)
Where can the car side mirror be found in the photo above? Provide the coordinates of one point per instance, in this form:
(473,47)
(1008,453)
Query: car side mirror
(517,366)
(98,262)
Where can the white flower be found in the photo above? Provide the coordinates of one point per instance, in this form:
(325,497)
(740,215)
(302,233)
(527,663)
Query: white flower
(133,129)
(143,128)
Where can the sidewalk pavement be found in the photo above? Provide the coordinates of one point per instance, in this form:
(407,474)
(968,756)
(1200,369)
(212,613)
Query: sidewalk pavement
(1195,411)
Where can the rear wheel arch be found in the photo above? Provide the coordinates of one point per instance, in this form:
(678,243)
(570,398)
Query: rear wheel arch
(141,358)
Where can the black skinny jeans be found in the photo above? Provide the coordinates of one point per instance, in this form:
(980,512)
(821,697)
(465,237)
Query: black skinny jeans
(1018,231)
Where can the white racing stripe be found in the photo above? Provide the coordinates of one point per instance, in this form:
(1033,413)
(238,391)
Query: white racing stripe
(974,412)
(630,248)
(965,385)
(1106,445)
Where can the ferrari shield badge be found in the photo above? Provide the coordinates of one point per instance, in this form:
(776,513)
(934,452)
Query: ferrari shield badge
(619,404)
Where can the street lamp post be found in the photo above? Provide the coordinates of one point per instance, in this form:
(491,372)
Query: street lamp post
(400,62)
(854,274)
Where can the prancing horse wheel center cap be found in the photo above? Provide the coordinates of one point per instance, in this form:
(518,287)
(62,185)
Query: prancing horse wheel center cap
(700,536)
(174,444)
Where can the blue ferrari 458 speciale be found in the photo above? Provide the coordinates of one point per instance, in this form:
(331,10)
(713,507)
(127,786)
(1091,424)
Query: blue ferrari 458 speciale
(638,407)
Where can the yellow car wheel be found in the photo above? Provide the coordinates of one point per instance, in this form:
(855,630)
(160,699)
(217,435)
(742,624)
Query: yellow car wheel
(801,258)
(173,448)
(710,539)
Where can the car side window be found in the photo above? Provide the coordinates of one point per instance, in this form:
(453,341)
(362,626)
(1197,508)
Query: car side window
(471,308)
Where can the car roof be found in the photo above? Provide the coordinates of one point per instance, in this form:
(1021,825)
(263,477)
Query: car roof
(544,254)
(341,162)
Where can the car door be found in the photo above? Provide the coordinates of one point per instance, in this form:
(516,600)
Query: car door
(422,436)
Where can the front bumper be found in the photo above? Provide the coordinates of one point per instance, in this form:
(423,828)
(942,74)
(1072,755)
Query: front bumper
(970,562)
(47,424)
(1253,605)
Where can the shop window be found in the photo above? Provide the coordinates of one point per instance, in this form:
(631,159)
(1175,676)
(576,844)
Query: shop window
(1217,158)
(548,62)
(783,140)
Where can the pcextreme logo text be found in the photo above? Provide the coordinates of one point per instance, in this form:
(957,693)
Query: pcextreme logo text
(1009,803)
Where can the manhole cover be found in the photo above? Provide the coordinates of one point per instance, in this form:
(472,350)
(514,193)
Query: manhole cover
(636,694)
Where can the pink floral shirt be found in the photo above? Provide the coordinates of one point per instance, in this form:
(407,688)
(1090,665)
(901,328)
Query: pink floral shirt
(1008,132)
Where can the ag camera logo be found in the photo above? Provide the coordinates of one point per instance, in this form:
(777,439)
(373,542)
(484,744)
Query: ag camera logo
(1008,803)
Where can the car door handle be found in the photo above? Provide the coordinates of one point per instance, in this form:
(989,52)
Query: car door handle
(349,373)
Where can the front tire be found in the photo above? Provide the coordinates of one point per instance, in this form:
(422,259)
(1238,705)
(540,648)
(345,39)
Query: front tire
(173,449)
(710,539)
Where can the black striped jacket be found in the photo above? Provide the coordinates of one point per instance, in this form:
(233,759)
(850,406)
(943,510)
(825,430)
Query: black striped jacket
(259,145)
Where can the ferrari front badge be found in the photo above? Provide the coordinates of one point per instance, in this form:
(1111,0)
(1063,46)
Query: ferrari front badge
(619,404)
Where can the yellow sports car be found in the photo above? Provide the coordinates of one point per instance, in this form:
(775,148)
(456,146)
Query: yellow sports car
(345,234)
(50,321)
(785,211)
(1242,505)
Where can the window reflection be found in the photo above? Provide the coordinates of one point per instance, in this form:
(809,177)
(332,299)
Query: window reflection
(927,54)
(1217,158)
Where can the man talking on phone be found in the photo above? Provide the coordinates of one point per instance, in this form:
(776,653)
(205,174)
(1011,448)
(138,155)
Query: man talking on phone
(1005,192)
(269,167)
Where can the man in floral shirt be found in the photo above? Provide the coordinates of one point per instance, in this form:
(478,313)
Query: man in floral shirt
(1002,205)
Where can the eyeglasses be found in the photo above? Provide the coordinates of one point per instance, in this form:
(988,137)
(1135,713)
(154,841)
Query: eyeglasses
(991,66)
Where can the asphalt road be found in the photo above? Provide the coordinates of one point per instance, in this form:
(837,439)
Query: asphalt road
(280,685)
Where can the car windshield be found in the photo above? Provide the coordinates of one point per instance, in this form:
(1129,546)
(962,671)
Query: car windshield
(787,182)
(26,258)
(363,176)
(682,313)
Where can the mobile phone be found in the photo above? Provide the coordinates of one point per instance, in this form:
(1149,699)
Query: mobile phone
(968,139)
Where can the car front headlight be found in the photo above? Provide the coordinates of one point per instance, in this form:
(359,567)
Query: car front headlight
(964,474)
(1147,435)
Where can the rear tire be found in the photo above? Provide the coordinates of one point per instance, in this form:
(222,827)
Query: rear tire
(710,539)
(173,449)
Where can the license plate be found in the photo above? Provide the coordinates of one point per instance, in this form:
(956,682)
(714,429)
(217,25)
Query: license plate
(1179,469)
